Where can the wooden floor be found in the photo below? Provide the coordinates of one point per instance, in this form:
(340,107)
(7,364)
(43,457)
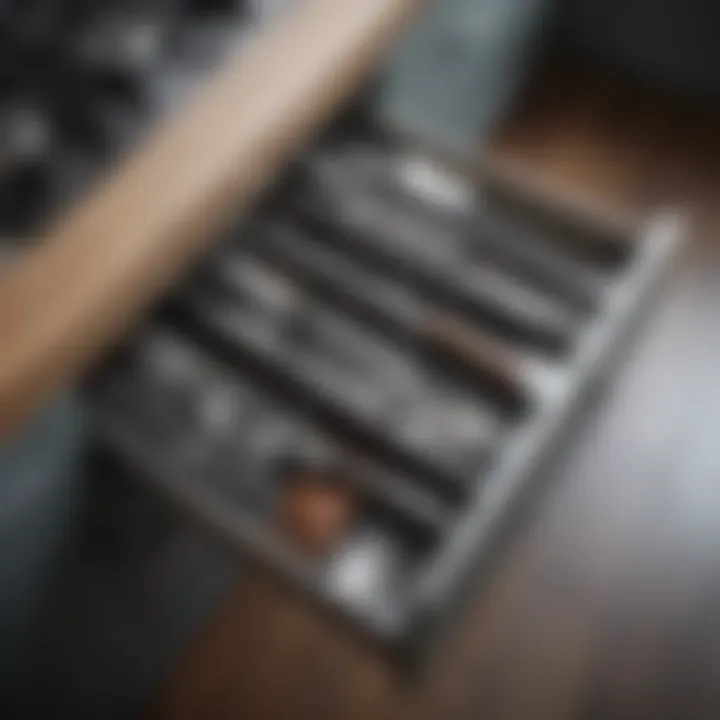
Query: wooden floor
(607,602)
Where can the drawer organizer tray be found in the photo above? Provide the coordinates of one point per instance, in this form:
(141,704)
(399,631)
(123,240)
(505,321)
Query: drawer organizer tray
(418,335)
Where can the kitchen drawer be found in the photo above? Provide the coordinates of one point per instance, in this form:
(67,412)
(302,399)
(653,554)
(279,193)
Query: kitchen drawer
(398,337)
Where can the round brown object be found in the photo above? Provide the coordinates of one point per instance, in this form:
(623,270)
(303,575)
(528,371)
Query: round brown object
(316,512)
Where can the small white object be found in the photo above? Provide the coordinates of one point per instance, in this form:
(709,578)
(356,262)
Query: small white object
(435,184)
(361,572)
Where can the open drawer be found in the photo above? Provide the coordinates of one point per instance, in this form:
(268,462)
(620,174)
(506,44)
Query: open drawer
(358,386)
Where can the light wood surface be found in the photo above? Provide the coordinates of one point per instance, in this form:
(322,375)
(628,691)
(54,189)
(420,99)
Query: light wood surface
(112,256)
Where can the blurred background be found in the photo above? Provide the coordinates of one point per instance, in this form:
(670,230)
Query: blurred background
(124,588)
